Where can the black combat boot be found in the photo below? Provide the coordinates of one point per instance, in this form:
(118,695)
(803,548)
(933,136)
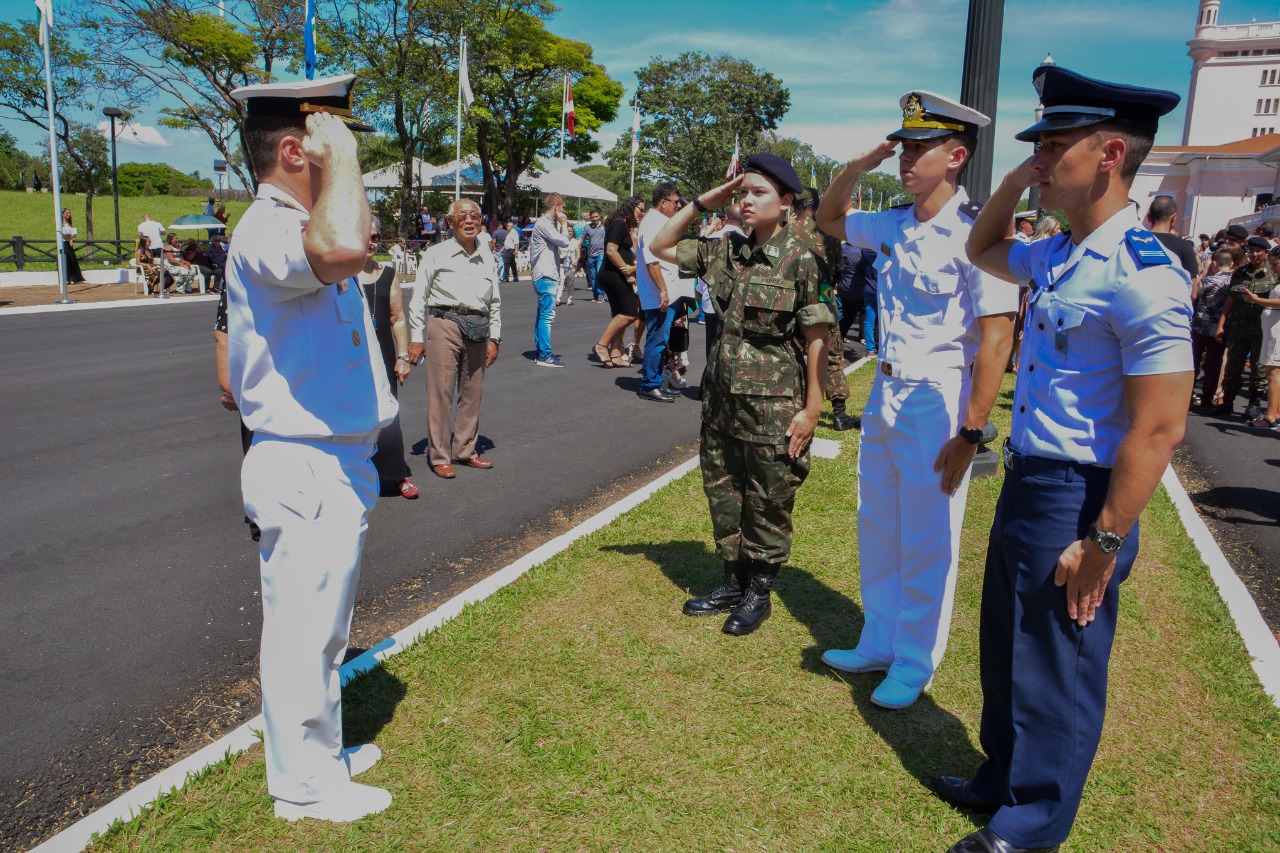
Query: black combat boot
(755,606)
(724,598)
(841,419)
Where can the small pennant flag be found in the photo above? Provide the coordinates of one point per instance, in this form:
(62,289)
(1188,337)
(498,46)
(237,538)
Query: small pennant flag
(309,40)
(464,79)
(733,163)
(813,176)
(859,198)
(569,117)
(635,132)
(45,24)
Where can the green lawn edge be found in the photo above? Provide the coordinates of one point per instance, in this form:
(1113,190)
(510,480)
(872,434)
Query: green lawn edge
(577,710)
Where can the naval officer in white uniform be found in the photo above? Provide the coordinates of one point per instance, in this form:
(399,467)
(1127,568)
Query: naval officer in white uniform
(946,329)
(314,391)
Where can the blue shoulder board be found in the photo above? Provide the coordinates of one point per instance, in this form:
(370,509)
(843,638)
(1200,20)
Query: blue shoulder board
(970,209)
(1146,248)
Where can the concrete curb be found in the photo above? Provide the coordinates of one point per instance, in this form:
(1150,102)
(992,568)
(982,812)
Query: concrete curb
(140,302)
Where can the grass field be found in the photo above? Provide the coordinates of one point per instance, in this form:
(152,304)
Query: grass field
(30,216)
(577,710)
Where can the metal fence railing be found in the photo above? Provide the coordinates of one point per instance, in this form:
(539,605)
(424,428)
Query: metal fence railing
(43,254)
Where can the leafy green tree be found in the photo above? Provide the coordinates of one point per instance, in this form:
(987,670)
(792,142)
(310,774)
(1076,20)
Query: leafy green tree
(517,70)
(78,81)
(134,178)
(693,106)
(90,171)
(186,51)
(815,170)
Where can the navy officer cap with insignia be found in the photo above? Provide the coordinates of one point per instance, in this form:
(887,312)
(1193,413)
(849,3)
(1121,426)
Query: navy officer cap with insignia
(926,115)
(293,100)
(779,172)
(1071,100)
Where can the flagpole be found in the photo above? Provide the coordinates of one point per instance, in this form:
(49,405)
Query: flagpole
(47,24)
(635,145)
(564,91)
(457,162)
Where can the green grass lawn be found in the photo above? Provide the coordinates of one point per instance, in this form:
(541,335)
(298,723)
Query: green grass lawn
(30,216)
(578,710)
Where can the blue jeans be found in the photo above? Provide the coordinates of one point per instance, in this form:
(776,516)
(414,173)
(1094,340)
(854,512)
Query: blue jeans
(658,328)
(593,273)
(869,326)
(546,290)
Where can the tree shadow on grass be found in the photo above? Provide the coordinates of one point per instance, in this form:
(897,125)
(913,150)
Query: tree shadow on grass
(928,739)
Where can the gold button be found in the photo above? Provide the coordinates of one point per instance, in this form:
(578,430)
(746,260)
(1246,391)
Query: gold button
(355,337)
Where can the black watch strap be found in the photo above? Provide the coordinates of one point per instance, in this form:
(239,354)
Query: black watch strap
(973,436)
(697,202)
(1107,542)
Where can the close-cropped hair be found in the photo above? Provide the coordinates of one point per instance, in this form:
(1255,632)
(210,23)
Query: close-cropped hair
(1137,146)
(551,201)
(262,135)
(1225,258)
(663,191)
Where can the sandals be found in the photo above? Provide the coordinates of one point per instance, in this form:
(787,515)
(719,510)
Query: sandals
(408,489)
(602,353)
(619,360)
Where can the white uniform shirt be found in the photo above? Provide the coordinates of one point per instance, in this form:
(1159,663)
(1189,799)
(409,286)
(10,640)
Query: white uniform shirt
(450,278)
(929,294)
(646,287)
(1096,314)
(303,358)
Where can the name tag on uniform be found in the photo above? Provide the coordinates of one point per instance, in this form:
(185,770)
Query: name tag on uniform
(1060,342)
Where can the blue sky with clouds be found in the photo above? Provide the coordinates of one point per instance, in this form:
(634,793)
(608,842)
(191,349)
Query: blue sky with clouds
(845,62)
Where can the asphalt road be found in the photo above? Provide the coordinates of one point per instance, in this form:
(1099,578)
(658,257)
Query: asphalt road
(129,604)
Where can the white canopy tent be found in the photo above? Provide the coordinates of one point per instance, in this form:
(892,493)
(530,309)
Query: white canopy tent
(388,177)
(560,179)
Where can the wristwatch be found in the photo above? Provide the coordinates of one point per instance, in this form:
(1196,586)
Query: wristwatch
(697,202)
(973,436)
(404,356)
(1107,542)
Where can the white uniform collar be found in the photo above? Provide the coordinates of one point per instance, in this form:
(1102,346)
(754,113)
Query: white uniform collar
(948,217)
(271,192)
(1107,237)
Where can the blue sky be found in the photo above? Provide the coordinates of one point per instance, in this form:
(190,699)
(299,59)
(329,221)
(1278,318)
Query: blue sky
(846,63)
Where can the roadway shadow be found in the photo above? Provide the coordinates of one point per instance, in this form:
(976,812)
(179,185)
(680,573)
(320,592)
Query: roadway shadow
(628,383)
(369,703)
(928,739)
(483,444)
(1238,500)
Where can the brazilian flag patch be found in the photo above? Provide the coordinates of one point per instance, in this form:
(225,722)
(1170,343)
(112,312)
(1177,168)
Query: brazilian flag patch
(825,292)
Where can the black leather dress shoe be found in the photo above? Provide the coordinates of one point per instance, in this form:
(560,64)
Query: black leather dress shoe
(959,791)
(986,841)
(655,394)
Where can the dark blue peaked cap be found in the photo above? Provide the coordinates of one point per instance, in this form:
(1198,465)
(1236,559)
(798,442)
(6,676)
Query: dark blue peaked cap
(1071,100)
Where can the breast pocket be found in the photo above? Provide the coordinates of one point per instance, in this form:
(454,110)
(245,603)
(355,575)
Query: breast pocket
(1066,339)
(937,291)
(768,309)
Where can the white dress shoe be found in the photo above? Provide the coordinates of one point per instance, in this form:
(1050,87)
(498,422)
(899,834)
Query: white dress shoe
(848,660)
(353,802)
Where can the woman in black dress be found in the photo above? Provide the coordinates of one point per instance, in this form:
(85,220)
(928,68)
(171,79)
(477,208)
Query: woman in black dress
(69,233)
(618,280)
(381,283)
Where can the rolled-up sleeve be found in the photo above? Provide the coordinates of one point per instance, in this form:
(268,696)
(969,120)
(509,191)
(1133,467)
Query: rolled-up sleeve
(860,229)
(691,257)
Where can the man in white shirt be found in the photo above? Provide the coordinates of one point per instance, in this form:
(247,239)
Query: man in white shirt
(655,283)
(154,232)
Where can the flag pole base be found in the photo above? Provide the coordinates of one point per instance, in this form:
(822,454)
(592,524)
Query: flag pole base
(66,301)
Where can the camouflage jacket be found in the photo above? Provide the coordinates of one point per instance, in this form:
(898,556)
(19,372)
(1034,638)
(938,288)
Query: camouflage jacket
(766,296)
(1245,319)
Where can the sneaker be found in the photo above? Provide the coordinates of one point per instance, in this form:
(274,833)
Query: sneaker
(352,803)
(554,361)
(1275,427)
(1254,412)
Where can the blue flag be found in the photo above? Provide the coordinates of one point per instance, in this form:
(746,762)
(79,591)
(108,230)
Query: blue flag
(309,40)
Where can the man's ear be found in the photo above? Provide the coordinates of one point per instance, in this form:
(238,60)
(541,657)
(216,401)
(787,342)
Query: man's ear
(289,153)
(1113,151)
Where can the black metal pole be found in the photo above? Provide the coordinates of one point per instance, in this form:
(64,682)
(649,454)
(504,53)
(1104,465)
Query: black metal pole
(980,87)
(115,182)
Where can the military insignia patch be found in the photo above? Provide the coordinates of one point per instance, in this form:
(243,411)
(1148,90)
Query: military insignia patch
(826,292)
(771,251)
(1144,245)
(914,110)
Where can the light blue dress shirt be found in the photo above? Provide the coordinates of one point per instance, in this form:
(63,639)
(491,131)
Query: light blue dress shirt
(1097,312)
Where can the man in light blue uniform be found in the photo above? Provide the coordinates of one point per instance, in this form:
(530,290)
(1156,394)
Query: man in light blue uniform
(947,329)
(1101,401)
(308,378)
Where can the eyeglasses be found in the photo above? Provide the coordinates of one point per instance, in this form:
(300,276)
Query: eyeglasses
(470,214)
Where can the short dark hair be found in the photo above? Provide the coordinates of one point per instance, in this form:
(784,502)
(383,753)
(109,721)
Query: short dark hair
(1137,146)
(664,191)
(262,135)
(968,140)
(1223,257)
(1265,230)
(1162,209)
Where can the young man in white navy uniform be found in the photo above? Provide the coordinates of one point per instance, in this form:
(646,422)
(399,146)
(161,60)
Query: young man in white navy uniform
(1101,402)
(314,391)
(946,330)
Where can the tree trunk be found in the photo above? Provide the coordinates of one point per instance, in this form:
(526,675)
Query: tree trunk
(88,212)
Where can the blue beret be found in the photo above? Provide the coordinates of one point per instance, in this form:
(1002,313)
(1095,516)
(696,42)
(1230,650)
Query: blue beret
(1071,100)
(776,169)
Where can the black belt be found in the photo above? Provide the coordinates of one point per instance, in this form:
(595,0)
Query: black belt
(1057,469)
(437,311)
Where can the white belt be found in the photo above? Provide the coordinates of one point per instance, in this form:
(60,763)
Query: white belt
(935,374)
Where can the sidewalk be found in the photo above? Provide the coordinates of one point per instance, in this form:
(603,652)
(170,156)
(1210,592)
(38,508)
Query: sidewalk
(32,295)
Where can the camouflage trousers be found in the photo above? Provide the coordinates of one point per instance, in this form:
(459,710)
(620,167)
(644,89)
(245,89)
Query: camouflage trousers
(1241,348)
(837,387)
(751,490)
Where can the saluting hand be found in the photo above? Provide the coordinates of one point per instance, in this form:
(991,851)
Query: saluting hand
(1022,175)
(721,195)
(868,160)
(328,139)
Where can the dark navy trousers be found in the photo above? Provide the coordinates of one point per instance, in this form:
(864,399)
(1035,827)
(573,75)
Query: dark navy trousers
(1044,678)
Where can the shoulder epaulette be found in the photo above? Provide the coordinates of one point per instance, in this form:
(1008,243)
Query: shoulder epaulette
(284,202)
(970,209)
(1146,248)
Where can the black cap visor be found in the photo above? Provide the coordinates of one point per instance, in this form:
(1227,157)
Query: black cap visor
(919,133)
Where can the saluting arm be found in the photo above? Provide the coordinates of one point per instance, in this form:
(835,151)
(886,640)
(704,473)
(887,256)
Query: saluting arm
(991,238)
(663,244)
(838,199)
(337,236)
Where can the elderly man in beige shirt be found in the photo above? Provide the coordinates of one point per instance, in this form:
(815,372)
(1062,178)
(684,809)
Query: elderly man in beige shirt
(456,301)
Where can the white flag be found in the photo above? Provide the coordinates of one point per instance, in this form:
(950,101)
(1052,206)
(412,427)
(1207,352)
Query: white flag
(464,79)
(635,133)
(46,19)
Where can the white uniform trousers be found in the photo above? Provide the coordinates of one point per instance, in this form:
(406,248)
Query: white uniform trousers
(908,528)
(311,498)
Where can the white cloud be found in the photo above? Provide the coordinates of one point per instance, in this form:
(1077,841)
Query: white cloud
(135,134)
